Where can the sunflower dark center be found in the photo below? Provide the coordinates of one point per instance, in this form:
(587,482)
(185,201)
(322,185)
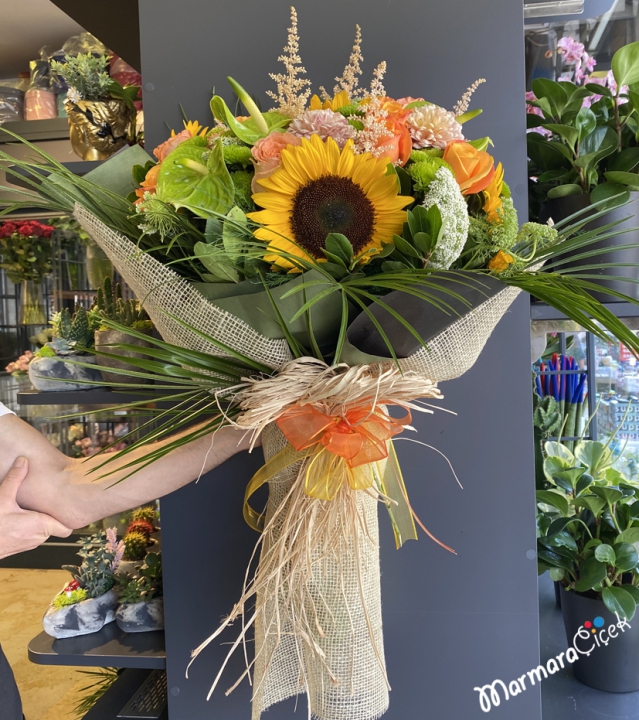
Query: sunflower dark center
(331,204)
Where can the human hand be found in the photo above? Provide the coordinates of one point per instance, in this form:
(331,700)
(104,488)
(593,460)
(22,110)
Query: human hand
(20,529)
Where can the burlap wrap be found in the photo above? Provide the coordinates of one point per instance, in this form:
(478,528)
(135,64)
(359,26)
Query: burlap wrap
(285,665)
(345,587)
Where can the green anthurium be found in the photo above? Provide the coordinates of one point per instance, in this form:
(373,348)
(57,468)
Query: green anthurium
(195,177)
(259,125)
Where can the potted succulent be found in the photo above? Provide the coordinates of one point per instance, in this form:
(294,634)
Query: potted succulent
(87,603)
(102,115)
(588,531)
(26,254)
(582,149)
(141,606)
(62,363)
(110,305)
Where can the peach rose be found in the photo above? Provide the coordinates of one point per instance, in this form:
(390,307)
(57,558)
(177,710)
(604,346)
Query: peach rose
(271,146)
(162,150)
(473,169)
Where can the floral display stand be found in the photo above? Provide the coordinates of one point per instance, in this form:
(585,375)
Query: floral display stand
(451,622)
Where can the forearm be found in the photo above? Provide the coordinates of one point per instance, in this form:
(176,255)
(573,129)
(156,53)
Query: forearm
(66,489)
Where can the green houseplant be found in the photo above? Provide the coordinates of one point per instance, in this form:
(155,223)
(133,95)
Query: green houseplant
(588,530)
(56,366)
(101,112)
(110,305)
(582,148)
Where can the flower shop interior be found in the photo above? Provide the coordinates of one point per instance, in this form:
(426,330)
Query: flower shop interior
(453,229)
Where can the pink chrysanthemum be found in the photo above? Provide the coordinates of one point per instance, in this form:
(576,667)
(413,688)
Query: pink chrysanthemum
(433,126)
(324,123)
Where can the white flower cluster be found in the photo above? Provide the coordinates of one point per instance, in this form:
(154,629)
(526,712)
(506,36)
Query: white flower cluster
(444,192)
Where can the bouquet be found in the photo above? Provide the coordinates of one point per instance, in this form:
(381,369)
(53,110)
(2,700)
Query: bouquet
(309,268)
(25,249)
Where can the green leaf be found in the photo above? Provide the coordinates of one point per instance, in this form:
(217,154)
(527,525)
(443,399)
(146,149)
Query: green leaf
(592,503)
(631,535)
(610,495)
(568,479)
(625,64)
(564,191)
(549,497)
(216,262)
(632,590)
(594,455)
(234,237)
(598,89)
(567,132)
(585,122)
(544,154)
(610,190)
(247,130)
(585,481)
(553,92)
(605,554)
(618,600)
(424,243)
(625,161)
(194,177)
(554,559)
(623,178)
(338,244)
(481,143)
(557,574)
(465,117)
(591,572)
(554,449)
(601,142)
(627,556)
(405,247)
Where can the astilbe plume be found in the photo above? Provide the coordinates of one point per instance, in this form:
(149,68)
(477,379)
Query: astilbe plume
(375,129)
(463,103)
(349,81)
(292,91)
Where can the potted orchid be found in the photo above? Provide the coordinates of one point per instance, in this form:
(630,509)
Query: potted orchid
(582,149)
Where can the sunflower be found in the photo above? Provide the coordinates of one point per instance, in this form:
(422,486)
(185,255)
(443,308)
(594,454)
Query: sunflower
(318,190)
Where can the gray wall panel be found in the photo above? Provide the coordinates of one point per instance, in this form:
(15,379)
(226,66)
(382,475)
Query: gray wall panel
(451,622)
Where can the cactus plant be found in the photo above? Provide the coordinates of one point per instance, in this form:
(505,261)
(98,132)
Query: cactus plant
(142,526)
(72,334)
(95,574)
(110,305)
(135,544)
(145,513)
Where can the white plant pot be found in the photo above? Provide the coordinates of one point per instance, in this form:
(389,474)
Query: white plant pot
(46,373)
(141,616)
(83,618)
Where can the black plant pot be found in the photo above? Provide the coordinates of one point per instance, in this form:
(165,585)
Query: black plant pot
(557,594)
(561,208)
(613,667)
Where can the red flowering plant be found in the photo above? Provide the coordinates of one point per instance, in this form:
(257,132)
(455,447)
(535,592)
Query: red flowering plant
(25,249)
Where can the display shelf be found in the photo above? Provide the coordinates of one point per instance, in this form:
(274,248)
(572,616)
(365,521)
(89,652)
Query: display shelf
(112,703)
(541,311)
(111,647)
(37,130)
(100,396)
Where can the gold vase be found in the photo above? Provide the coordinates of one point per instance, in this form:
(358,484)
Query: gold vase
(98,128)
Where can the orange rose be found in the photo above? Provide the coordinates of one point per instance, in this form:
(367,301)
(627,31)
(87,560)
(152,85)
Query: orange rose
(501,262)
(399,143)
(149,184)
(474,169)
